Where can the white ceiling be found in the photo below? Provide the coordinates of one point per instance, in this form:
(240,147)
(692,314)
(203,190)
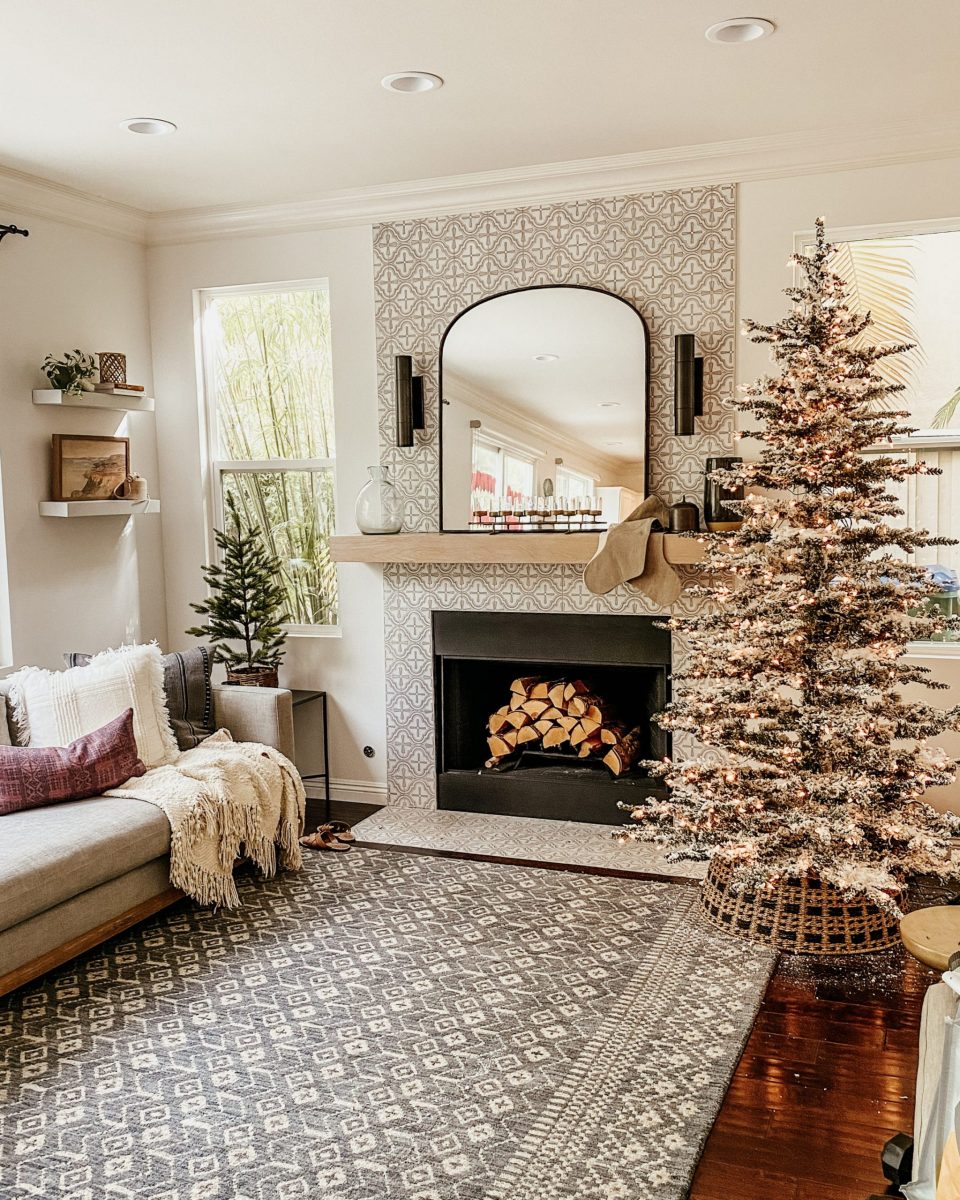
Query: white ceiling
(280,101)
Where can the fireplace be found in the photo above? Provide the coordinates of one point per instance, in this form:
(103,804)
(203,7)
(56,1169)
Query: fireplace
(624,660)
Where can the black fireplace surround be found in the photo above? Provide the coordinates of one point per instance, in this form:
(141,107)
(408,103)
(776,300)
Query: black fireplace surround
(626,660)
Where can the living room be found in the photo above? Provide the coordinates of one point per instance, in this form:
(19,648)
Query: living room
(496,884)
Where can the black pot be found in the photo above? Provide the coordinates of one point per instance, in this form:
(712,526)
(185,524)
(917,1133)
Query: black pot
(717,517)
(684,517)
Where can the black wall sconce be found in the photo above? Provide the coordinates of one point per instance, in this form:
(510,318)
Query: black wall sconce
(409,396)
(419,416)
(687,384)
(5,229)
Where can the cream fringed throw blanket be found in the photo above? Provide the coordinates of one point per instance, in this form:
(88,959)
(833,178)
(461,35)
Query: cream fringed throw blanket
(224,799)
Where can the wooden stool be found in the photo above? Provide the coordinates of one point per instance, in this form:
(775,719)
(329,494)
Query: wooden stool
(932,934)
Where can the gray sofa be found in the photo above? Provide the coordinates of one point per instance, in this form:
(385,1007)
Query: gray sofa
(73,875)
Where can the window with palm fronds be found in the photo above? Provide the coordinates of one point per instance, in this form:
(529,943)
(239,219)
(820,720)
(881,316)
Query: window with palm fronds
(911,288)
(269,384)
(910,285)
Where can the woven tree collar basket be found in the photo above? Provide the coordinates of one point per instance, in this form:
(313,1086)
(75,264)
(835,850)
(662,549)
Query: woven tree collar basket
(804,916)
(253,677)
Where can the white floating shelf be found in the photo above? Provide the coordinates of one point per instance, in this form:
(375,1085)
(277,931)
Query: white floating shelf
(52,396)
(97,508)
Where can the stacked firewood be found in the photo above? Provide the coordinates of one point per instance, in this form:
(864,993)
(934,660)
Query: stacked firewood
(561,716)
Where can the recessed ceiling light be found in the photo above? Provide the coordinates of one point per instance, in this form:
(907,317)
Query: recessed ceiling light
(152,126)
(609,404)
(740,29)
(546,357)
(411,81)
(613,443)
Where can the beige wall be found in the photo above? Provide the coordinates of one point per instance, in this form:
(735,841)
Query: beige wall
(92,583)
(74,584)
(349,667)
(770,214)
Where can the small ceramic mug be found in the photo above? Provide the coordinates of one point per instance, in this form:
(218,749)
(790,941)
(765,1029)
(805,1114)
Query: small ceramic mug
(134,487)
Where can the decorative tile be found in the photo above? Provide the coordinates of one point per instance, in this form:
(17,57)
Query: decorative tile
(571,842)
(672,255)
(411,593)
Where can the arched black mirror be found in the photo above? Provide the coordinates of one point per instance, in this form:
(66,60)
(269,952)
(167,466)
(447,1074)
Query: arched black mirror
(544,415)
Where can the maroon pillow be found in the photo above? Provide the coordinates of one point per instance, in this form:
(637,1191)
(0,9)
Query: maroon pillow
(31,776)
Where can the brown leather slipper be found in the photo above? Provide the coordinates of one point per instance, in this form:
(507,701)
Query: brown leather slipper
(340,830)
(323,839)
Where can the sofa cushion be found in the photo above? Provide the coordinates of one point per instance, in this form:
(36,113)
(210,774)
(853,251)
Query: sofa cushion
(39,935)
(89,766)
(54,708)
(187,687)
(48,855)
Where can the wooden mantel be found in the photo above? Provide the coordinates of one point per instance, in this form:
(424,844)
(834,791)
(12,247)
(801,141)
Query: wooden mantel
(491,548)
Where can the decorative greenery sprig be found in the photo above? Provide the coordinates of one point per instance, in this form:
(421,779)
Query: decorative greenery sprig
(806,753)
(247,602)
(71,372)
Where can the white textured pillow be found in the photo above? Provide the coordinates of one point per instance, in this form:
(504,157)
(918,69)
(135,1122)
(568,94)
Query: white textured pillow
(54,708)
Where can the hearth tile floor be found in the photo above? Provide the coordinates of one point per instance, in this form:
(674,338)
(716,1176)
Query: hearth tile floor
(571,842)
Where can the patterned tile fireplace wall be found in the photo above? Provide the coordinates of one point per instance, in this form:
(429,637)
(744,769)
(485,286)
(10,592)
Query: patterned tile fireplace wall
(673,255)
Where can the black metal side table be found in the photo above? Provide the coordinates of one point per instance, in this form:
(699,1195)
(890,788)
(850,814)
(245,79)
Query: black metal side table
(304,696)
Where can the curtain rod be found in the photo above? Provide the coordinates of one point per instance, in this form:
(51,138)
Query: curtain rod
(5,229)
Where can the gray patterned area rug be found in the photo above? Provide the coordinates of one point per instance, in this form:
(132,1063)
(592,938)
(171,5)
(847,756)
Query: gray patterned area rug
(384,1025)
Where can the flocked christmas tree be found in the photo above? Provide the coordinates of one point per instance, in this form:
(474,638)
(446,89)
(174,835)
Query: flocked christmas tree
(811,761)
(246,608)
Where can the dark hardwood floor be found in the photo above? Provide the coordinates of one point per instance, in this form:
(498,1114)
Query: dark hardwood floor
(827,1076)
(340,810)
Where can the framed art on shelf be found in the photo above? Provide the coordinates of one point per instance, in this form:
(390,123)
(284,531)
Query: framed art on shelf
(88,466)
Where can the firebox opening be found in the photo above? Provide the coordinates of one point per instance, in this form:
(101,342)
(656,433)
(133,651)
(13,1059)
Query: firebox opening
(623,661)
(474,689)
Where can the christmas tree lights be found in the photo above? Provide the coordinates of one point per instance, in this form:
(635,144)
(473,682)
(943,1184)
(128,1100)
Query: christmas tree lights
(810,758)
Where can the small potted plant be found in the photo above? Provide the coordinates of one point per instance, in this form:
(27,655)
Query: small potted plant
(72,374)
(246,608)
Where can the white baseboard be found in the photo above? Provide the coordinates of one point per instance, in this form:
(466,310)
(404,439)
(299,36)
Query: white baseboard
(356,791)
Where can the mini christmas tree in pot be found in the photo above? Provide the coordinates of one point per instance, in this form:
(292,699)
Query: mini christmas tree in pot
(245,611)
(805,787)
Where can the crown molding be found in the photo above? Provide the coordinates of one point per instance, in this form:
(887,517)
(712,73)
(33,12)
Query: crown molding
(738,161)
(499,410)
(716,162)
(32,196)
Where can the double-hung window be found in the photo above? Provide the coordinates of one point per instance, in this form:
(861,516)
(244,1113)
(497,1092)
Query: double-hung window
(268,388)
(574,483)
(502,468)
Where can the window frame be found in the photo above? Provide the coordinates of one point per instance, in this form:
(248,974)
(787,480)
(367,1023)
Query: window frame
(923,439)
(212,466)
(505,447)
(587,486)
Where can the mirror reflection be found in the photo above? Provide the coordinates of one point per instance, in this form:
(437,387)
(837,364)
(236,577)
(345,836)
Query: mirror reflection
(544,423)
